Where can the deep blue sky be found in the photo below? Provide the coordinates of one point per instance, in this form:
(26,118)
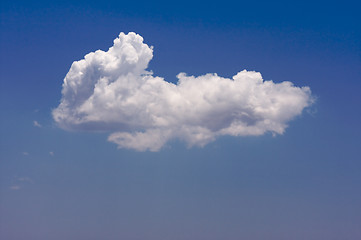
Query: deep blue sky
(305,184)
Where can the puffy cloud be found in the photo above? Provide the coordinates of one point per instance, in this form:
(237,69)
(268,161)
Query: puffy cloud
(113,91)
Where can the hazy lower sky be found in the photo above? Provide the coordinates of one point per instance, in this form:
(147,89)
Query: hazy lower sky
(180,120)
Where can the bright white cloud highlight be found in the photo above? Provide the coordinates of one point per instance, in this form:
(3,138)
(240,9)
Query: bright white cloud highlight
(113,91)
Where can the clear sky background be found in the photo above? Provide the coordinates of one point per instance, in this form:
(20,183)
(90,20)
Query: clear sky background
(304,184)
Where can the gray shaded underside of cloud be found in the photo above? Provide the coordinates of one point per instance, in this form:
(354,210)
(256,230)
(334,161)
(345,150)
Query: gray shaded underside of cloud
(113,91)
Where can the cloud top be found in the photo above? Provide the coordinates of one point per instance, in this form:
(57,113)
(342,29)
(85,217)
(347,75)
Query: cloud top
(113,91)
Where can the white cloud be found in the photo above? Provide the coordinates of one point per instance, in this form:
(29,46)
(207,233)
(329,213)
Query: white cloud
(37,124)
(25,153)
(51,153)
(112,91)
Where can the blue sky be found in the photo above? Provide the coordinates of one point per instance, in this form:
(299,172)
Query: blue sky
(303,184)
